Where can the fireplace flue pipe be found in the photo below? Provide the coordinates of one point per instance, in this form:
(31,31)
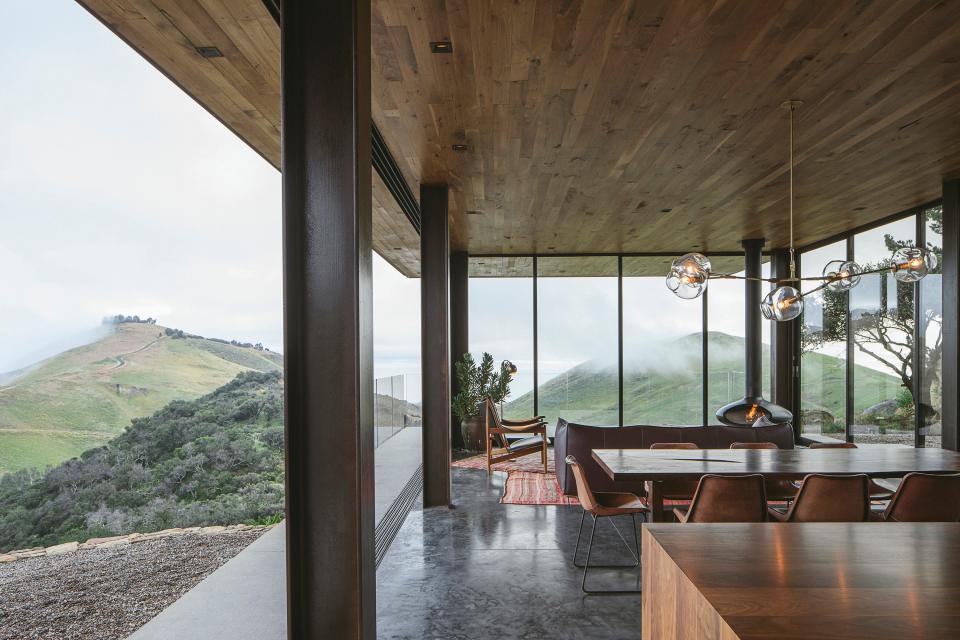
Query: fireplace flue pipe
(752,406)
(753,292)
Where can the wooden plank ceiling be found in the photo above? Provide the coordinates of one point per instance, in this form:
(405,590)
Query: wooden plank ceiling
(613,125)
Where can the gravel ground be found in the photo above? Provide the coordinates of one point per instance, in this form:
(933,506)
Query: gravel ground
(107,594)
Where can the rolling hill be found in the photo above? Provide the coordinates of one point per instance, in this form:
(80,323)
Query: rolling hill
(665,388)
(81,398)
(217,459)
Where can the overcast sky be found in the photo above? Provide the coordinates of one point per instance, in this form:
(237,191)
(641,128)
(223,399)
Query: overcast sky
(119,194)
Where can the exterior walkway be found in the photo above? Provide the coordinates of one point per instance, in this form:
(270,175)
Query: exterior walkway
(246,597)
(480,570)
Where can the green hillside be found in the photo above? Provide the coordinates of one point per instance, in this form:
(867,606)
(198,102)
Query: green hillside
(217,459)
(667,389)
(82,397)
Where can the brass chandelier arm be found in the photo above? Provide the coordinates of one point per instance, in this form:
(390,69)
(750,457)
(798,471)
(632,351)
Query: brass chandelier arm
(733,276)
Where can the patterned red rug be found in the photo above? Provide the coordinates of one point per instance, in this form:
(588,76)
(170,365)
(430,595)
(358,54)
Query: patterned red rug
(526,482)
(526,463)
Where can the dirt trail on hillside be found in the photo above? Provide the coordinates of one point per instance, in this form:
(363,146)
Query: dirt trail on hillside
(120,358)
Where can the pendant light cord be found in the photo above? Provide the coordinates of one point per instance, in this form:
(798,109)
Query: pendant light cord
(793,264)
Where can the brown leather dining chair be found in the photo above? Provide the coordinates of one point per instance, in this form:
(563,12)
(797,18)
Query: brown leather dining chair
(753,445)
(832,445)
(925,497)
(604,505)
(727,499)
(877,491)
(829,498)
(777,490)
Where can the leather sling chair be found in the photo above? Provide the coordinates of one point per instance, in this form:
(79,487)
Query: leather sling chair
(605,505)
(877,491)
(727,499)
(925,497)
(829,498)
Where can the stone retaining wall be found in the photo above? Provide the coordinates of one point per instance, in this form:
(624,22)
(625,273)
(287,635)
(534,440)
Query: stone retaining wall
(120,541)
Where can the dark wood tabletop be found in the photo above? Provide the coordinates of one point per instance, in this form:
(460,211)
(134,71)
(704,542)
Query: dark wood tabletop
(785,581)
(879,462)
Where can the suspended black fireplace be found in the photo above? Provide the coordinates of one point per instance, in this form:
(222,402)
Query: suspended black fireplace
(752,406)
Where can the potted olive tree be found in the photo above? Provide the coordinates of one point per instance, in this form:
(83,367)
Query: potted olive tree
(474,383)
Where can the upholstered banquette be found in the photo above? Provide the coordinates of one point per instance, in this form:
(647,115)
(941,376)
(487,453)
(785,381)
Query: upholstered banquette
(578,440)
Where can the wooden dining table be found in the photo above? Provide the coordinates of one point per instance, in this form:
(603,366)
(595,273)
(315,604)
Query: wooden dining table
(653,466)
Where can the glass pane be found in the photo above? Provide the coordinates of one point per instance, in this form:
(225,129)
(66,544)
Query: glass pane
(823,350)
(396,366)
(662,348)
(931,306)
(881,320)
(577,334)
(501,323)
(726,342)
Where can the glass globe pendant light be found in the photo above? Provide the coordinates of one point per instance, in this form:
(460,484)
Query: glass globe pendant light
(841,275)
(688,275)
(911,264)
(782,304)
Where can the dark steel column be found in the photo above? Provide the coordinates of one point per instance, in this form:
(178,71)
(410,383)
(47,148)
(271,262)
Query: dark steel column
(784,349)
(851,371)
(753,294)
(705,356)
(917,361)
(620,340)
(951,313)
(536,342)
(435,345)
(459,326)
(328,321)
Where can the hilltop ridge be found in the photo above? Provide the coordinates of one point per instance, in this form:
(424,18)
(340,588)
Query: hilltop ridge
(59,407)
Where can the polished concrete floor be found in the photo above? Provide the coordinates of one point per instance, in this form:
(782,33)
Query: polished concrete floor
(479,570)
(486,570)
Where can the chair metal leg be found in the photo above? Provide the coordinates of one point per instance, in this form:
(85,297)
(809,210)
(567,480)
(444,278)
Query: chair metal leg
(576,551)
(586,566)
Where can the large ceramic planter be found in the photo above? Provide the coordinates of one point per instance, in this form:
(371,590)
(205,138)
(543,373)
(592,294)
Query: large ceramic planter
(473,432)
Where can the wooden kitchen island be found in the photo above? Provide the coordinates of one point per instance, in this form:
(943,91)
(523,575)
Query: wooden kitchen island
(777,581)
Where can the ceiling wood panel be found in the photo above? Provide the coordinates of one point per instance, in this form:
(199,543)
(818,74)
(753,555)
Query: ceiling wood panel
(621,125)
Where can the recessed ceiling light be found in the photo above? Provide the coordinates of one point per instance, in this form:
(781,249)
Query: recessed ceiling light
(210,52)
(458,147)
(441,46)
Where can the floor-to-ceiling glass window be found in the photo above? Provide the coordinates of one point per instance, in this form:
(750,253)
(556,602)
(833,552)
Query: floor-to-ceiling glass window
(501,323)
(823,349)
(930,398)
(881,324)
(726,342)
(871,359)
(577,316)
(662,348)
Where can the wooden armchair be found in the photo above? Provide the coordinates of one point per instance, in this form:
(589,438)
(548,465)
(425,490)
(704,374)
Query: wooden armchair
(499,449)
